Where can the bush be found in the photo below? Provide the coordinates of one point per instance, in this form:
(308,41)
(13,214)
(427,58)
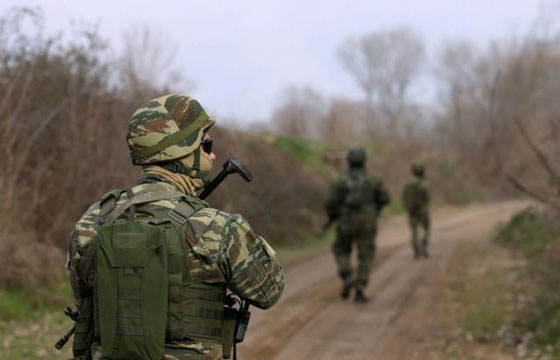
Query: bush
(526,232)
(537,238)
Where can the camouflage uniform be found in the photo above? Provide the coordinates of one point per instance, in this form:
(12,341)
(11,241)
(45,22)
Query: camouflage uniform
(355,202)
(416,198)
(222,252)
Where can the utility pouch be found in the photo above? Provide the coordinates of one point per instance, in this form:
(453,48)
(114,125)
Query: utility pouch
(235,324)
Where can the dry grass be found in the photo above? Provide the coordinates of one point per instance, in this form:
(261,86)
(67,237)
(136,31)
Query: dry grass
(28,263)
(475,305)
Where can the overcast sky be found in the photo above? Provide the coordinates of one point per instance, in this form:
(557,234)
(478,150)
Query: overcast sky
(242,54)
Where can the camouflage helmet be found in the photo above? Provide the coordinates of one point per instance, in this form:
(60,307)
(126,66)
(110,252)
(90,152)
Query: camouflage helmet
(166,128)
(418,169)
(356,156)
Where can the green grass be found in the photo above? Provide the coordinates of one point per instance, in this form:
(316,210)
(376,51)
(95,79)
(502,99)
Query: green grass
(527,232)
(302,149)
(31,321)
(307,152)
(488,304)
(19,304)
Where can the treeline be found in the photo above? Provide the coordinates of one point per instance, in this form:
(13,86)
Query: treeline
(491,130)
(64,106)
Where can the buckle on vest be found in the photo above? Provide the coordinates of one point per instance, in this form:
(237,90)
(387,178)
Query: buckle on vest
(177,217)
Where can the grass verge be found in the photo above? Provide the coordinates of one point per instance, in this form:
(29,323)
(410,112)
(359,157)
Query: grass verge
(32,321)
(474,304)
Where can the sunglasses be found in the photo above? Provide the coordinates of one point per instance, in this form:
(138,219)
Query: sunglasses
(206,145)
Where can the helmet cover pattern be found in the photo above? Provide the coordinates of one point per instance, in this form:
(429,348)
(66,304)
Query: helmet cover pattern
(166,128)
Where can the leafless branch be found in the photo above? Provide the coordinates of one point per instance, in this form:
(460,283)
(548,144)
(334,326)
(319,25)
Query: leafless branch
(518,185)
(492,120)
(541,156)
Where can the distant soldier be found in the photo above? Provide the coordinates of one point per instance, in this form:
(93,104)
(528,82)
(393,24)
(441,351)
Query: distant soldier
(355,202)
(416,199)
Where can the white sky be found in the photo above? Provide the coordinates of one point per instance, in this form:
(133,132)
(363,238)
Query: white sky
(242,54)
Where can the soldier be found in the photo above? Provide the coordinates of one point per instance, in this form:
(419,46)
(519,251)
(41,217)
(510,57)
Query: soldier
(416,198)
(150,265)
(355,202)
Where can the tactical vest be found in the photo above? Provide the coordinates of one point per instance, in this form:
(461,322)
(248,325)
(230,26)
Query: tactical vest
(359,194)
(415,195)
(143,294)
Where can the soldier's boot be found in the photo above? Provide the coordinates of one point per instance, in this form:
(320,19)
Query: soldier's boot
(348,283)
(425,249)
(360,298)
(416,252)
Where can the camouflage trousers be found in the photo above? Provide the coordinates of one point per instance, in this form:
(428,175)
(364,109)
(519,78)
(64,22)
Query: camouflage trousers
(364,242)
(419,222)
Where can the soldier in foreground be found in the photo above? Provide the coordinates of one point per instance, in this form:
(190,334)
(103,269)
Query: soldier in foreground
(416,199)
(355,202)
(150,265)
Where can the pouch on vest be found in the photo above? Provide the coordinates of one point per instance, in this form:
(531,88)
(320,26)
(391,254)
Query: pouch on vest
(415,196)
(356,197)
(234,325)
(132,270)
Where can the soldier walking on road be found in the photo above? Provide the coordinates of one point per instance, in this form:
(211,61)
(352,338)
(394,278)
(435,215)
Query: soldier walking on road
(150,266)
(416,199)
(355,202)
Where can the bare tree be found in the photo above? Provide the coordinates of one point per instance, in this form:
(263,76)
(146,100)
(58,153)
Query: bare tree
(299,112)
(147,64)
(384,64)
(500,115)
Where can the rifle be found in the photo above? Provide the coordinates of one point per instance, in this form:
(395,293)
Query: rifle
(231,166)
(327,225)
(74,315)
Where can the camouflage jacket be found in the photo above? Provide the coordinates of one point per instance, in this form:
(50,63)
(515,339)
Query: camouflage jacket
(416,195)
(223,251)
(356,193)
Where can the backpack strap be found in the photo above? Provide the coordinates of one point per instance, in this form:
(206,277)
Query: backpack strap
(107,204)
(142,198)
(181,213)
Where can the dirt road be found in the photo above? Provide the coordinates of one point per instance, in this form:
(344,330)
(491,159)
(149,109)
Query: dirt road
(312,322)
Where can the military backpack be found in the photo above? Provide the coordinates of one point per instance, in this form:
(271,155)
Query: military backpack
(142,292)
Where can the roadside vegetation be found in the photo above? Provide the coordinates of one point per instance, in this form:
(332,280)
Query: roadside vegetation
(500,299)
(535,237)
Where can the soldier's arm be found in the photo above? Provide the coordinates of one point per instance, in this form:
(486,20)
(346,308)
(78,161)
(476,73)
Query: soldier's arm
(404,196)
(382,197)
(335,199)
(79,242)
(253,271)
(427,193)
(82,293)
(73,261)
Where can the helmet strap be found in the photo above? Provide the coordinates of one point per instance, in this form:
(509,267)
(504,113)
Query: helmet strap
(194,171)
(196,164)
(176,167)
